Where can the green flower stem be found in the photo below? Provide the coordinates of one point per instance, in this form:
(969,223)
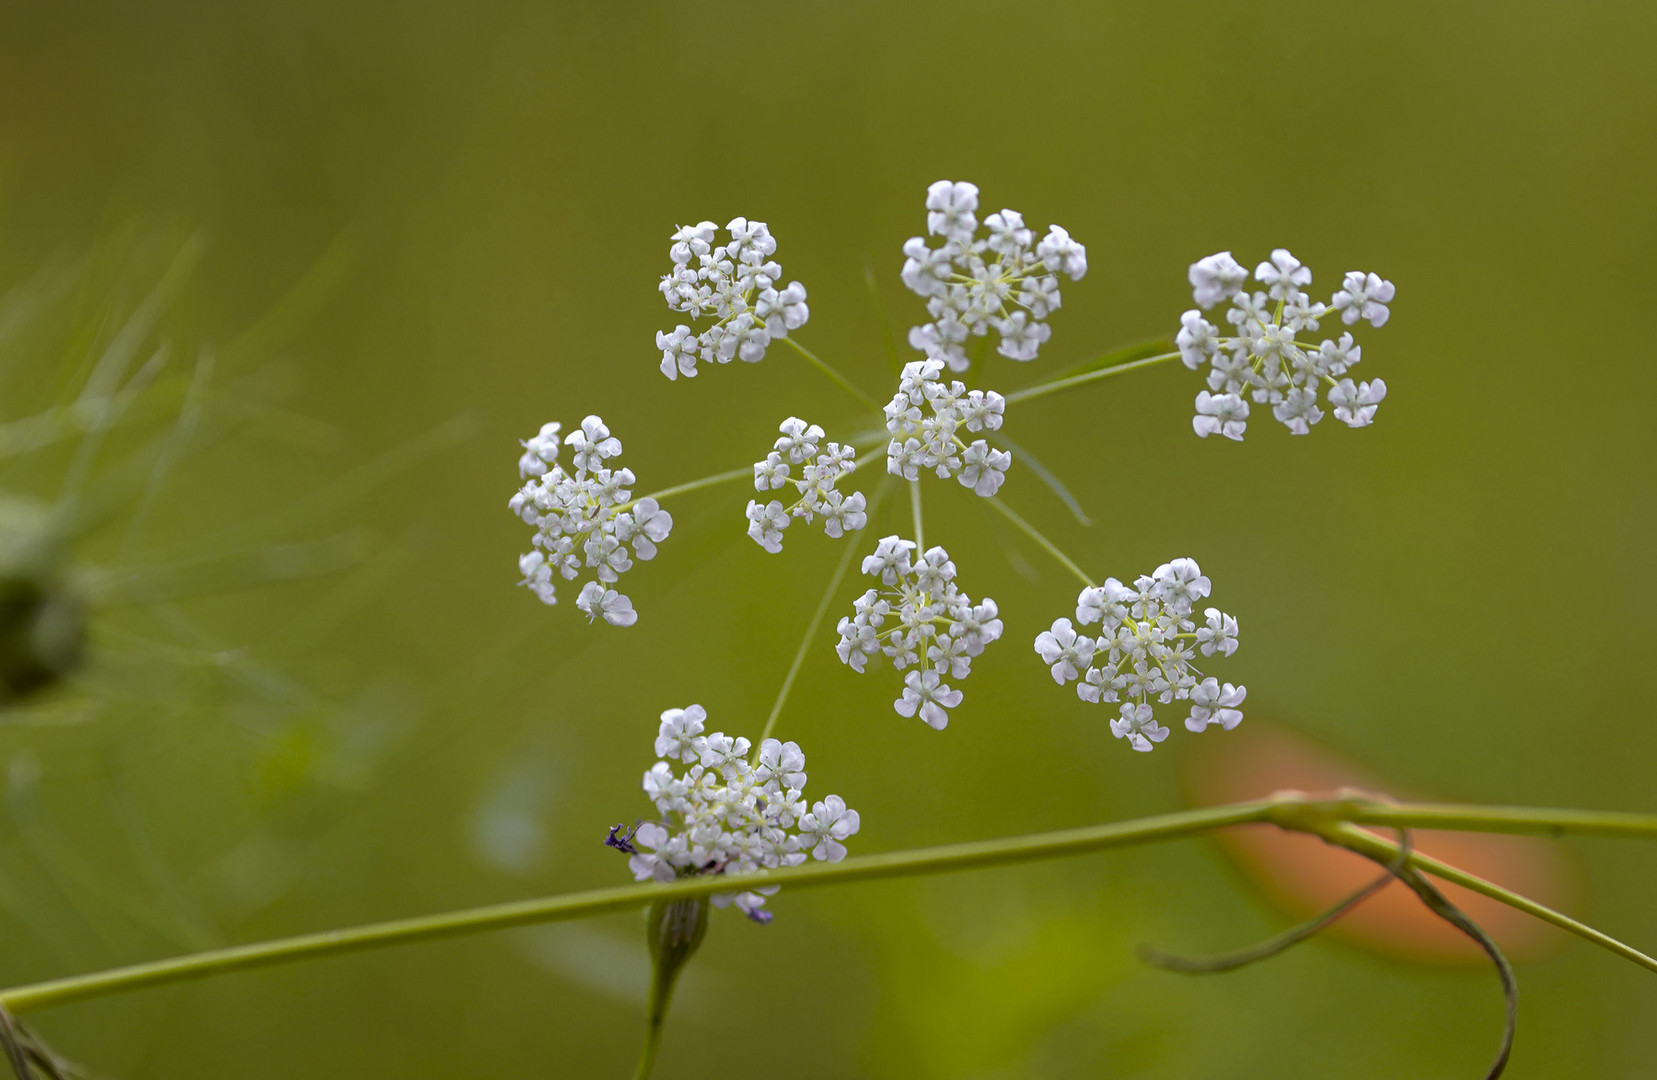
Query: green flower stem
(1381,849)
(915,511)
(1324,818)
(1035,534)
(844,383)
(675,931)
(849,543)
(746,472)
(1507,819)
(1042,389)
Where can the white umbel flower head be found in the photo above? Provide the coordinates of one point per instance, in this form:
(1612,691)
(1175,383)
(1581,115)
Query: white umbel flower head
(921,620)
(727,814)
(1006,280)
(738,286)
(585,519)
(821,468)
(1268,357)
(925,419)
(1145,651)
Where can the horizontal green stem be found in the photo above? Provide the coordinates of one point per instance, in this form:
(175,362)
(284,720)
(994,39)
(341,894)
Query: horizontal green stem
(1292,812)
(1507,819)
(1042,389)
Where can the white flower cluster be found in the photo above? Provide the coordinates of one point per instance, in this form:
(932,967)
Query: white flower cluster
(936,628)
(584,519)
(1265,358)
(820,470)
(735,283)
(726,814)
(1145,649)
(921,442)
(1005,280)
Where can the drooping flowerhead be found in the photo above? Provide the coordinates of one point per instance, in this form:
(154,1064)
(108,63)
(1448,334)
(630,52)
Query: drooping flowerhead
(1146,650)
(923,622)
(1005,279)
(729,811)
(585,519)
(1267,355)
(738,285)
(925,418)
(820,470)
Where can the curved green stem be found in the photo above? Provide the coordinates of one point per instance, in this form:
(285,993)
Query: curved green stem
(1053,387)
(1324,818)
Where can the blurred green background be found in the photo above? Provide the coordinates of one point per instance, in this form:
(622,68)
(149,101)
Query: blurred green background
(1459,596)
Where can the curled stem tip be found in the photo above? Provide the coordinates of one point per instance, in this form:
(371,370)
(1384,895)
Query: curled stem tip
(1441,906)
(1272,946)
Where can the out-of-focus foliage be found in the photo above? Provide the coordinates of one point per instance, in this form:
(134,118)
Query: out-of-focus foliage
(1457,595)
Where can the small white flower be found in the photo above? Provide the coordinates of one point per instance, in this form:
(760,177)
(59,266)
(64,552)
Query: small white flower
(890,562)
(1213,704)
(540,452)
(843,514)
(1216,278)
(538,577)
(1137,726)
(951,210)
(770,474)
(826,826)
(1020,337)
(1179,583)
(678,738)
(799,440)
(1219,635)
(1065,651)
(595,600)
(1007,232)
(680,349)
(1283,275)
(1060,254)
(923,691)
(1355,404)
(1298,410)
(1220,414)
(726,754)
(1364,296)
(780,765)
(766,523)
(983,469)
(1198,340)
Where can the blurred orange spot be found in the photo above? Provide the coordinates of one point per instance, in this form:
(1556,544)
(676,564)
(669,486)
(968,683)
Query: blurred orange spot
(1304,876)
